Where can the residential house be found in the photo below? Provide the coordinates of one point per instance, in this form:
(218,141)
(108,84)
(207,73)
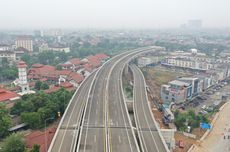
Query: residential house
(43,139)
(8,97)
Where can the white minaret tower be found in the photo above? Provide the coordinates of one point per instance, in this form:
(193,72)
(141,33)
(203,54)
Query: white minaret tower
(22,74)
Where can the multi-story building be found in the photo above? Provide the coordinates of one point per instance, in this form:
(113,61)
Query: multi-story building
(55,48)
(176,91)
(204,82)
(10,55)
(24,42)
(194,82)
(4,47)
(187,63)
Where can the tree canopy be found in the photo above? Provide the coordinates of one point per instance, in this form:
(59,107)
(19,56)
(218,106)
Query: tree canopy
(34,109)
(14,143)
(189,118)
(5,121)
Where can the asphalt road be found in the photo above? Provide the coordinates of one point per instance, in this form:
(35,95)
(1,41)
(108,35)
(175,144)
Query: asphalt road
(90,122)
(121,135)
(147,131)
(66,136)
(94,134)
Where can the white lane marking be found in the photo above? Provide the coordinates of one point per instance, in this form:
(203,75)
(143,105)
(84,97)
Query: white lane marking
(95,139)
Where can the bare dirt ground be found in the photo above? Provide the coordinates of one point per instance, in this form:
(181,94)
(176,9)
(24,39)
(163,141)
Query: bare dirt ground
(157,76)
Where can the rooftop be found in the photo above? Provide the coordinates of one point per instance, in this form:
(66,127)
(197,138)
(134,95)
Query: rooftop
(179,83)
(38,137)
(187,78)
(101,56)
(6,95)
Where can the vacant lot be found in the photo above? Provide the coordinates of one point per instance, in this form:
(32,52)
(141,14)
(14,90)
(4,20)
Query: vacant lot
(156,76)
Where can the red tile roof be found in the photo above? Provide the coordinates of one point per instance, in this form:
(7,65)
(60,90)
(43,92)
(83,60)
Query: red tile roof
(21,64)
(31,84)
(40,71)
(43,79)
(53,89)
(76,77)
(37,65)
(101,56)
(6,95)
(39,138)
(66,85)
(75,61)
(94,61)
(64,72)
(88,67)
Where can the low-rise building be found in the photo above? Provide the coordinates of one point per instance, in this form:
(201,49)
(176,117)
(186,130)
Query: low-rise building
(43,139)
(176,91)
(147,61)
(8,97)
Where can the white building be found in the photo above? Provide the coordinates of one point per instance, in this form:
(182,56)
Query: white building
(24,42)
(191,63)
(46,47)
(60,49)
(22,74)
(10,55)
(5,47)
(145,61)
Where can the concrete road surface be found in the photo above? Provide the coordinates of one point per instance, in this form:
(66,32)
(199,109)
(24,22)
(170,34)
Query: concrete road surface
(147,131)
(65,139)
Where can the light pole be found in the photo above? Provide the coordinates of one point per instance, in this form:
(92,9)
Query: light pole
(51,118)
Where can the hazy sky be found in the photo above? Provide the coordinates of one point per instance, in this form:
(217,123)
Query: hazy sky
(112,13)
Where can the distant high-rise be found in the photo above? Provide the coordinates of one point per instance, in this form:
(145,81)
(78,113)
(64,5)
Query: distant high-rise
(194,24)
(25,42)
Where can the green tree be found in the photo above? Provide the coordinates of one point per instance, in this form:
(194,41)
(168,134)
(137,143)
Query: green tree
(38,85)
(14,143)
(5,63)
(58,67)
(5,121)
(44,86)
(32,119)
(36,148)
(26,58)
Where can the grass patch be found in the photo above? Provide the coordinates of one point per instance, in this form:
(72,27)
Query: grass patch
(160,76)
